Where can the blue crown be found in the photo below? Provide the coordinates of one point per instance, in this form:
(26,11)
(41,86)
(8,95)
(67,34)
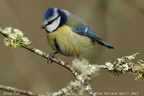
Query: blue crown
(49,13)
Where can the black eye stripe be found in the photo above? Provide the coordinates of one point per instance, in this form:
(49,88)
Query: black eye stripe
(50,22)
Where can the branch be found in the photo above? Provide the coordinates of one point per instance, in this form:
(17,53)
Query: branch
(16,39)
(126,64)
(18,91)
(81,69)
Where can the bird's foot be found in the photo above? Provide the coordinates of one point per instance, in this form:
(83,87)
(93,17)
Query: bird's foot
(51,56)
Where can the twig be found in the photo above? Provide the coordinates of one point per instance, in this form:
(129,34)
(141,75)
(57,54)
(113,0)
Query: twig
(18,91)
(55,60)
(44,55)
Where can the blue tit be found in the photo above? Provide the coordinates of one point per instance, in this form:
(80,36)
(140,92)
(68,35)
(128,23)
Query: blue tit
(68,34)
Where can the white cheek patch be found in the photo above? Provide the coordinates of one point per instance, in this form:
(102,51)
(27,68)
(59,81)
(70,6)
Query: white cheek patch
(54,25)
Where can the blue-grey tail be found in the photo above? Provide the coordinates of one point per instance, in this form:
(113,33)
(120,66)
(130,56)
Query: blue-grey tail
(105,44)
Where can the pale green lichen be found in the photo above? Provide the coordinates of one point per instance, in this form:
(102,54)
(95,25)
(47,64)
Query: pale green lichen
(15,38)
(138,70)
(85,68)
(86,72)
(76,85)
(109,66)
(125,64)
(39,51)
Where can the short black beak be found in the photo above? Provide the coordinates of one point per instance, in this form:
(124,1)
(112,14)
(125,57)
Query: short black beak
(42,27)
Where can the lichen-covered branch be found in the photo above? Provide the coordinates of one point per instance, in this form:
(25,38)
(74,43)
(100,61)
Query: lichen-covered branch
(81,69)
(18,91)
(16,39)
(126,64)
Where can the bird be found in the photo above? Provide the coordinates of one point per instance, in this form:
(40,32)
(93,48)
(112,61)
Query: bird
(68,34)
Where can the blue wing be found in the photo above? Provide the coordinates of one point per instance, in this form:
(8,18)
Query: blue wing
(90,33)
(87,32)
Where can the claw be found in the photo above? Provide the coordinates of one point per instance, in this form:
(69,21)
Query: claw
(51,56)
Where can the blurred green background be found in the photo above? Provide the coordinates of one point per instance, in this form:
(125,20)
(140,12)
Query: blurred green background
(118,22)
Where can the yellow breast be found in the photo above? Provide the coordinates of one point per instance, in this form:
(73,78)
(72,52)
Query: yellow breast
(67,42)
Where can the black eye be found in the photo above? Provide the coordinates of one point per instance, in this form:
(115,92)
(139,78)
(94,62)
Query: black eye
(50,22)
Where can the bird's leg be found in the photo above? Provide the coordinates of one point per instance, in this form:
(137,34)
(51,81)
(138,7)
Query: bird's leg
(51,56)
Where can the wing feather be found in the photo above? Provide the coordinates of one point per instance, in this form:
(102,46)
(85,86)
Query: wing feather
(79,26)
